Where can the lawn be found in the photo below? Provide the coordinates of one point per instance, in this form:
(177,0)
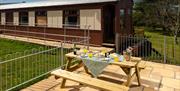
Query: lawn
(10,46)
(164,44)
(26,61)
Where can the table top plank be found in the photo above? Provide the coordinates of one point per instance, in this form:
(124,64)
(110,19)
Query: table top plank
(128,64)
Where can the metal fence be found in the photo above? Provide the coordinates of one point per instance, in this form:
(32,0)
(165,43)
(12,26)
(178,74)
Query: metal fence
(20,69)
(60,35)
(162,49)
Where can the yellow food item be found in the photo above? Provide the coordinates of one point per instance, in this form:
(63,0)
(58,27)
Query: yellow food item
(85,50)
(116,59)
(90,55)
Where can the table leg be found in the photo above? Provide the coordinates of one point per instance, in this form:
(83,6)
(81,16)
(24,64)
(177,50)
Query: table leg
(68,64)
(138,75)
(129,77)
(63,83)
(86,70)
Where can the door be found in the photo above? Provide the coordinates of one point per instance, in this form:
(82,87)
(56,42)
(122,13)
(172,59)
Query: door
(109,27)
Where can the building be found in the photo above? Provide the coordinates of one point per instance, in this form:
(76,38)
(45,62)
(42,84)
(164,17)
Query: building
(107,18)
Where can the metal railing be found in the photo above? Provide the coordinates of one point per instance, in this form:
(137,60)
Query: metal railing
(20,69)
(14,29)
(157,49)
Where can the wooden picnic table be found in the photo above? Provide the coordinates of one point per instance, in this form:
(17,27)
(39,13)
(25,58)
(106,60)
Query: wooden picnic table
(127,67)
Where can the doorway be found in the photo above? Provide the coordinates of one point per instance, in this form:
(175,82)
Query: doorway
(109,24)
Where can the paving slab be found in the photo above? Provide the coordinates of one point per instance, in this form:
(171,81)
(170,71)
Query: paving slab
(171,83)
(163,72)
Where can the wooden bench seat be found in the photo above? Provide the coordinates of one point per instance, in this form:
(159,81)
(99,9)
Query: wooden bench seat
(92,82)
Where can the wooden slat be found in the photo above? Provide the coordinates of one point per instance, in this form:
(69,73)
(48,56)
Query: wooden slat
(141,65)
(125,64)
(92,82)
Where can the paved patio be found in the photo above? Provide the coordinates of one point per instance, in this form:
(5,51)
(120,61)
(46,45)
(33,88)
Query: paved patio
(155,77)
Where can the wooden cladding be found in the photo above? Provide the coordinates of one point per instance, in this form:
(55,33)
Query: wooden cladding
(3,18)
(91,17)
(55,19)
(15,18)
(41,21)
(31,19)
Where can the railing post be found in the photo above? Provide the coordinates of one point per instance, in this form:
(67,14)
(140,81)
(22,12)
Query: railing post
(174,49)
(44,35)
(88,37)
(62,54)
(164,49)
(117,42)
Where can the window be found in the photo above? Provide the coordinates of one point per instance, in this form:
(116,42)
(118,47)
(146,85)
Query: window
(9,18)
(41,18)
(122,19)
(129,11)
(23,18)
(71,18)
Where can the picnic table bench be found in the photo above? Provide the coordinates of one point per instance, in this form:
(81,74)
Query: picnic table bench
(92,82)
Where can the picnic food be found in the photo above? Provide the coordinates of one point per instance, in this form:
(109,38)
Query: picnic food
(90,55)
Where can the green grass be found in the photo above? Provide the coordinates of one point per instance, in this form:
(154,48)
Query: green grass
(19,70)
(157,39)
(10,46)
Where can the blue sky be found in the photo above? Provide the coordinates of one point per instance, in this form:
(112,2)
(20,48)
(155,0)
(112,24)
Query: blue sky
(9,1)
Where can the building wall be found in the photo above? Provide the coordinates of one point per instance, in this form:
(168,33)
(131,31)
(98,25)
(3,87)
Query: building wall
(125,5)
(90,14)
(95,36)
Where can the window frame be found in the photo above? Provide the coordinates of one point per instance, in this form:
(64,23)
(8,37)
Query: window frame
(23,15)
(122,15)
(9,18)
(70,14)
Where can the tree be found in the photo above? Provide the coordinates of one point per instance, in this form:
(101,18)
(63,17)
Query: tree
(161,13)
(168,15)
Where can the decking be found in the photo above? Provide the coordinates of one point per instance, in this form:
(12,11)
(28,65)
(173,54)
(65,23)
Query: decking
(155,77)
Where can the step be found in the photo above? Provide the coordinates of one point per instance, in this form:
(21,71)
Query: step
(108,44)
